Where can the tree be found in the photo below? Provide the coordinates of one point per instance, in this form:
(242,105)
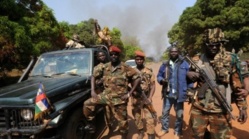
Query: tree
(232,16)
(28,28)
(130,50)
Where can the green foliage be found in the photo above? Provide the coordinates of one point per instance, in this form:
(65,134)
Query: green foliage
(28,28)
(130,51)
(232,16)
(244,56)
(85,29)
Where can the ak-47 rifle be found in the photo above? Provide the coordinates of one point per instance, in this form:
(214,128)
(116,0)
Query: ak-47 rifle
(213,86)
(165,85)
(150,107)
(146,101)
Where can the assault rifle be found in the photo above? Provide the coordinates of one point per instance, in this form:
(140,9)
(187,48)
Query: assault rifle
(213,86)
(150,107)
(147,103)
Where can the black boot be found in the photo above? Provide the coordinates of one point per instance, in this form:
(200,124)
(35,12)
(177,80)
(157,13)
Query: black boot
(151,136)
(140,134)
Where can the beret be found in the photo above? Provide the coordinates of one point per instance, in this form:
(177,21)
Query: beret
(114,48)
(139,53)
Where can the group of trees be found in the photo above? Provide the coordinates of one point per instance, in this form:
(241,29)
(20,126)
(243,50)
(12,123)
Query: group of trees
(29,28)
(232,16)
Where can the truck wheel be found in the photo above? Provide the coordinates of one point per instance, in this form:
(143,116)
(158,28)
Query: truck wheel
(74,125)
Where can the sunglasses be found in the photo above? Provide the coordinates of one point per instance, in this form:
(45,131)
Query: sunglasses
(114,54)
(214,45)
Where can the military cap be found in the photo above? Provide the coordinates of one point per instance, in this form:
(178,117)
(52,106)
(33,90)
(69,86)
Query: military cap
(139,53)
(214,35)
(114,48)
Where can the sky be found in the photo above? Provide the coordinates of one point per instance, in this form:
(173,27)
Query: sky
(147,20)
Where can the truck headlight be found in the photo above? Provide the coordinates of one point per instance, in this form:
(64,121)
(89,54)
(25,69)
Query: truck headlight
(27,114)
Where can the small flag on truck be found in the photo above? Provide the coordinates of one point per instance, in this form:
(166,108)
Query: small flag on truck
(42,103)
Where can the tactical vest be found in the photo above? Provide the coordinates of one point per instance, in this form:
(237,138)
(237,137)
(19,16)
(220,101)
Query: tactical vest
(222,70)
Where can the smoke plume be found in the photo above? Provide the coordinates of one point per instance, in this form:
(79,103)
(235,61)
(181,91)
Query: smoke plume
(148,20)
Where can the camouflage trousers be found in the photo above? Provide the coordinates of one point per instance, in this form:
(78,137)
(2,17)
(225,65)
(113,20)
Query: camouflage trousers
(139,111)
(220,124)
(108,110)
(120,110)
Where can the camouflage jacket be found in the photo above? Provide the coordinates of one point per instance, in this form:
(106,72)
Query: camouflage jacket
(147,77)
(225,70)
(116,80)
(99,80)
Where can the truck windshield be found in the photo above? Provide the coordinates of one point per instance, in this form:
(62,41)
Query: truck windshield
(77,63)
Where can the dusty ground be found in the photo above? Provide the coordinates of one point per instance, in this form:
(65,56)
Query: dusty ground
(240,131)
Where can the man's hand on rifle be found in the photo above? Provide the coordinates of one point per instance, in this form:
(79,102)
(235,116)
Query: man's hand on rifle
(150,99)
(126,96)
(242,116)
(193,75)
(163,82)
(242,93)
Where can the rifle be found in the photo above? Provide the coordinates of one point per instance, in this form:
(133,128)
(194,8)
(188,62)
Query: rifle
(214,87)
(150,107)
(147,103)
(165,86)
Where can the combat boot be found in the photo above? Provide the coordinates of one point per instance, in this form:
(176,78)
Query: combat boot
(140,134)
(151,136)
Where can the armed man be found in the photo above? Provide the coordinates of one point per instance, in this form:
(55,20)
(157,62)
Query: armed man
(142,98)
(75,42)
(218,78)
(116,76)
(104,34)
(97,84)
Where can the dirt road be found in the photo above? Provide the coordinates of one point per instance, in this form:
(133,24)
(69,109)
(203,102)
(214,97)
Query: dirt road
(240,131)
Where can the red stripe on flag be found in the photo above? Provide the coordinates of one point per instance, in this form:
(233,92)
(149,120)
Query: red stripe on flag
(40,97)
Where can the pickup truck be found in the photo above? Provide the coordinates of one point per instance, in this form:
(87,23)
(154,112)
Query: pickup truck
(66,77)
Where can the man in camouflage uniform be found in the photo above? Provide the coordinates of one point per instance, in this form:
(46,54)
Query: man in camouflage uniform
(223,68)
(104,34)
(99,88)
(147,86)
(74,43)
(115,75)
